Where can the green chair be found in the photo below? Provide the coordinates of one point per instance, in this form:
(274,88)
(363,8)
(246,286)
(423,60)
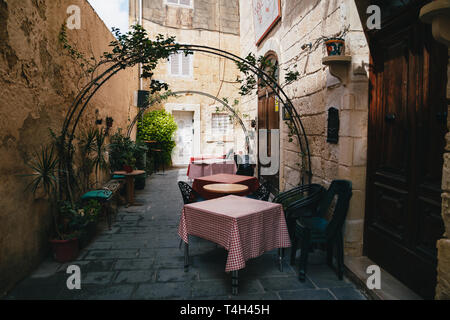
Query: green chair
(299,201)
(99,195)
(316,228)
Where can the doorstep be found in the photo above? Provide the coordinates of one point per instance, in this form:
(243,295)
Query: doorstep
(391,288)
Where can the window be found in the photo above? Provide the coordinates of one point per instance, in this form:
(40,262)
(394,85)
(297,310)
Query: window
(182,3)
(181,65)
(221,124)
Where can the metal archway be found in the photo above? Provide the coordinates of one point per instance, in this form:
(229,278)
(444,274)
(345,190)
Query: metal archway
(241,123)
(86,94)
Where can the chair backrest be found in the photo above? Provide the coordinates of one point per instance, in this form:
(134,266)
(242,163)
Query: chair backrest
(343,190)
(186,191)
(245,170)
(300,196)
(262,193)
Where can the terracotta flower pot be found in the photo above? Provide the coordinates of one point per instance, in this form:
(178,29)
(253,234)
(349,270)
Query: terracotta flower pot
(335,46)
(128,169)
(65,250)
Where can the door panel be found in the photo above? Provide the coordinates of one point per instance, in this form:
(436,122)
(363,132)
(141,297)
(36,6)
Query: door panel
(184,137)
(407,127)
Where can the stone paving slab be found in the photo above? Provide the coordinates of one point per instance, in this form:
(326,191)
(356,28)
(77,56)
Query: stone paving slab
(140,259)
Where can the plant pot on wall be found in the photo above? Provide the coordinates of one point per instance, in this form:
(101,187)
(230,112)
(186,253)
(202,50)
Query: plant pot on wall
(65,250)
(335,46)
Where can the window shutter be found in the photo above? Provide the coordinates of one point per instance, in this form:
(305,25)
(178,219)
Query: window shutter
(185,2)
(186,64)
(175,64)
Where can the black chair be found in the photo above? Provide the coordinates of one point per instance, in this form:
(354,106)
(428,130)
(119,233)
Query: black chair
(244,169)
(315,228)
(189,194)
(262,193)
(299,201)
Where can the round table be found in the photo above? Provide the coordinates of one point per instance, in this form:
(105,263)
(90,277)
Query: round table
(226,188)
(129,178)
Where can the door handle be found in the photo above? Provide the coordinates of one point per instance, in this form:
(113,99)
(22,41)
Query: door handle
(390,117)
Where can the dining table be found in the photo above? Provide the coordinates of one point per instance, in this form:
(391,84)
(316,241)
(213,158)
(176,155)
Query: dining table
(129,179)
(224,178)
(246,228)
(224,188)
(206,167)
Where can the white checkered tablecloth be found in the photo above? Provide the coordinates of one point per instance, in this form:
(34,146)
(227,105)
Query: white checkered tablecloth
(245,227)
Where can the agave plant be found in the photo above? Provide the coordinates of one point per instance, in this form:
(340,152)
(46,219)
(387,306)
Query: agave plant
(99,159)
(86,147)
(45,167)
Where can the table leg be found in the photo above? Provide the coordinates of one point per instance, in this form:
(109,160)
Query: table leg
(280,258)
(186,257)
(234,282)
(130,190)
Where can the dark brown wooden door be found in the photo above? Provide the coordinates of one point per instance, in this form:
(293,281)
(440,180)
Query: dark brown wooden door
(407,127)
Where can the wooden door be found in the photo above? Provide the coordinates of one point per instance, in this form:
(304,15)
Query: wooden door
(407,127)
(184,148)
(269,118)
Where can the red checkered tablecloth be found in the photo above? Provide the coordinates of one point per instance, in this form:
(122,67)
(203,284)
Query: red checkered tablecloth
(245,227)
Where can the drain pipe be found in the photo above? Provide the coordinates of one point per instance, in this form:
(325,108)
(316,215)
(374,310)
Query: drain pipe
(141,10)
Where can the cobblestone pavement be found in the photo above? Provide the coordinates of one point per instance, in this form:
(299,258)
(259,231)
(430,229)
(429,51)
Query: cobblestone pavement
(140,259)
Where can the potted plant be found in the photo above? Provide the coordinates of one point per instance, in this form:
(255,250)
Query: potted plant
(121,153)
(129,162)
(70,224)
(335,46)
(45,184)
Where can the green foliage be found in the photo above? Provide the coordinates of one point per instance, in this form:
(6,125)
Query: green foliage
(45,167)
(140,148)
(254,77)
(121,151)
(159,126)
(91,211)
(74,219)
(86,147)
(99,153)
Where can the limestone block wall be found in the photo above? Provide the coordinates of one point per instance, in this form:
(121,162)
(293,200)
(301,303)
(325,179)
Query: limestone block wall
(443,245)
(316,91)
(38,81)
(212,15)
(213,23)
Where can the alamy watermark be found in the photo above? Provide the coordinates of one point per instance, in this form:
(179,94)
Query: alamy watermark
(74,280)
(374,280)
(74,20)
(374,20)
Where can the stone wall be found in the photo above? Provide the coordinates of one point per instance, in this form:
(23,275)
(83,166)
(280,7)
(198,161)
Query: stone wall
(316,91)
(443,245)
(38,81)
(212,15)
(211,74)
